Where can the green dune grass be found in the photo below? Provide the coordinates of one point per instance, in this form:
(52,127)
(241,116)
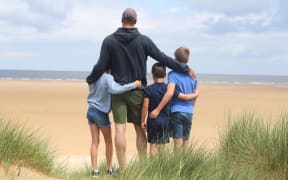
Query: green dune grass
(249,147)
(22,147)
(252,149)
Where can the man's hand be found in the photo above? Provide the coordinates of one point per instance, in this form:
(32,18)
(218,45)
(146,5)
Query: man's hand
(192,74)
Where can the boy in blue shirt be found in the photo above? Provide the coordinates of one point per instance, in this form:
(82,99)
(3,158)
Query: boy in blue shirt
(158,128)
(181,110)
(99,100)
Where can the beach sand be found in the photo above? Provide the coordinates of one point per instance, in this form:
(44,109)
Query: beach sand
(58,110)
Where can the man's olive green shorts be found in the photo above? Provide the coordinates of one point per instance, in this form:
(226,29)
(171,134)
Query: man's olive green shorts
(128,106)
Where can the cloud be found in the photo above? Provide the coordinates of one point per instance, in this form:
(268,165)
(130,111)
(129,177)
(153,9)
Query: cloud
(246,23)
(229,7)
(223,32)
(17,54)
(249,45)
(84,19)
(57,19)
(42,16)
(87,21)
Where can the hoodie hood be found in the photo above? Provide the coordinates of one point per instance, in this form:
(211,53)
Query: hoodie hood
(126,35)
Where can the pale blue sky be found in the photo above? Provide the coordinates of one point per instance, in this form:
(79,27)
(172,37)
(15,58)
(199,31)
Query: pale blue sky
(224,36)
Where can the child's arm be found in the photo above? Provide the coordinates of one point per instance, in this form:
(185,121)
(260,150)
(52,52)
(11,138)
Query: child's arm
(144,112)
(115,88)
(166,98)
(186,97)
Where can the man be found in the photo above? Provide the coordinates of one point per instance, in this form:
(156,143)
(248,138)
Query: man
(125,52)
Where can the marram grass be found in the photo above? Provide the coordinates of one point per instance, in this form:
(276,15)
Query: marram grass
(252,149)
(23,147)
(185,164)
(249,147)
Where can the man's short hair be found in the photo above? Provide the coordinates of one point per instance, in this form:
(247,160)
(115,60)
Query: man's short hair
(159,70)
(182,54)
(129,16)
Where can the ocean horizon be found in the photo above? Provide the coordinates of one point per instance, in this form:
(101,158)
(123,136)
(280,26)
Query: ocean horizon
(202,78)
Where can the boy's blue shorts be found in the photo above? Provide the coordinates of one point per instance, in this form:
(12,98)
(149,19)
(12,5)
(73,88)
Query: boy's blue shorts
(180,125)
(97,117)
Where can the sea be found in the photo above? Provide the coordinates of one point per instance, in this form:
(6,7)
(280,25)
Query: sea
(202,78)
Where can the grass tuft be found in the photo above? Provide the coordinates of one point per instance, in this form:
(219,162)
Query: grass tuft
(21,146)
(250,147)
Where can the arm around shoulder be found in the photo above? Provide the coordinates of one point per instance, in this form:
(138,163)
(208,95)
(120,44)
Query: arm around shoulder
(187,97)
(166,98)
(115,88)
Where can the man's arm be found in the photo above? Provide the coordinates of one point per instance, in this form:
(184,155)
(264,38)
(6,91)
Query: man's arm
(101,65)
(144,112)
(166,98)
(156,54)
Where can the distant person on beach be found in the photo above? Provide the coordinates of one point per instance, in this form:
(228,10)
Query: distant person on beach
(126,52)
(181,111)
(158,128)
(99,100)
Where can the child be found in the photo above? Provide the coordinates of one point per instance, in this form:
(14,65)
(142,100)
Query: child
(158,128)
(99,100)
(181,110)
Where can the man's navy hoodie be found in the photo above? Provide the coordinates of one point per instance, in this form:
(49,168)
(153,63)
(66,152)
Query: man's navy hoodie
(125,52)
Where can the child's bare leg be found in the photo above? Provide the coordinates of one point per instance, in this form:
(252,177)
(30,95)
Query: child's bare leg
(153,149)
(161,147)
(185,143)
(177,144)
(94,145)
(106,131)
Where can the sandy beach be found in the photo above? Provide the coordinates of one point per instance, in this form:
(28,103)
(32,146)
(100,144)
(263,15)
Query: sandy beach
(58,110)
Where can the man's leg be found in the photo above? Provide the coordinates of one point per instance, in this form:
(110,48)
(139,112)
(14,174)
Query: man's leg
(141,141)
(119,109)
(120,143)
(134,110)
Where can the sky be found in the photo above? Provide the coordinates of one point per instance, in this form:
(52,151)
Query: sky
(224,36)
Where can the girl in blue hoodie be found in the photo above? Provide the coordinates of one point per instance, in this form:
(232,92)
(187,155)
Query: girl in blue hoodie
(99,100)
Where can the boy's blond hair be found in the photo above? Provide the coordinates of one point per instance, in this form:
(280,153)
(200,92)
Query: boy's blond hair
(182,54)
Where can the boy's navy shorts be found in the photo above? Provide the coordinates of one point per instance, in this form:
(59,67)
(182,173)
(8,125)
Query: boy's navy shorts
(158,130)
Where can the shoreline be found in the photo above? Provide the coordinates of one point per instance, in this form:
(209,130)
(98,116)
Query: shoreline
(256,83)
